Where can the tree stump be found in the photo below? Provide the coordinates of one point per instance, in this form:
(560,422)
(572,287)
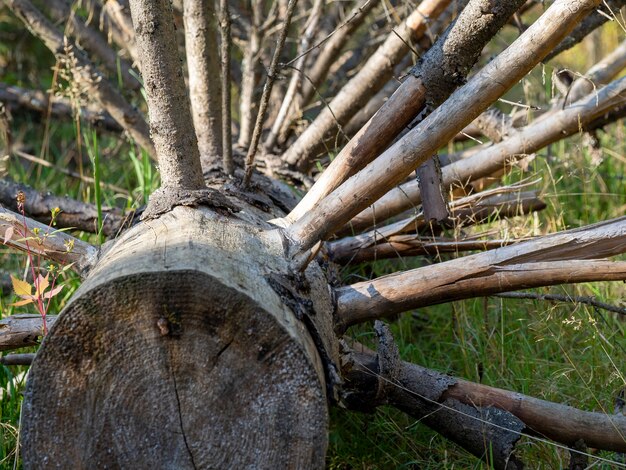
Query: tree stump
(177,353)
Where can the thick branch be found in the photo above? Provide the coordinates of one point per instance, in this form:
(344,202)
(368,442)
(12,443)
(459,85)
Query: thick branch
(394,165)
(554,259)
(95,86)
(558,422)
(170,119)
(205,91)
(590,24)
(74,214)
(442,69)
(47,242)
(371,78)
(59,107)
(532,138)
(22,330)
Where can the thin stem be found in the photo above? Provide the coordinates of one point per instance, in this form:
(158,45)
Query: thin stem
(267,89)
(227,146)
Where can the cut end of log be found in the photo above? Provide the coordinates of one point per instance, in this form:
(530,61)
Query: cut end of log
(175,353)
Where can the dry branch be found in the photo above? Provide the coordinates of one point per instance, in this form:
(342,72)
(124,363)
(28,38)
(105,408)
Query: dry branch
(47,242)
(225,43)
(205,90)
(17,359)
(567,257)
(95,86)
(267,90)
(371,78)
(389,241)
(117,23)
(74,214)
(436,76)
(15,97)
(332,46)
(526,141)
(93,42)
(576,299)
(168,105)
(607,10)
(22,330)
(407,385)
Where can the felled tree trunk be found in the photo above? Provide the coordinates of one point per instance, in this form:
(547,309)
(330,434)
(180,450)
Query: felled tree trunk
(177,352)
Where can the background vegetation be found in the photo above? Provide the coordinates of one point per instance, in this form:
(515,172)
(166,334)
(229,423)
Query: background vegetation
(564,352)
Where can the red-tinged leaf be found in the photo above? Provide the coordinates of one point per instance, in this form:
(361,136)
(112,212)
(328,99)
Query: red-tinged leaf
(19,303)
(8,234)
(41,284)
(21,288)
(53,292)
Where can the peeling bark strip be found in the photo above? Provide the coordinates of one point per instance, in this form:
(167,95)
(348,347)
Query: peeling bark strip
(95,86)
(49,243)
(205,90)
(457,50)
(560,423)
(371,78)
(23,330)
(377,379)
(168,105)
(526,141)
(566,257)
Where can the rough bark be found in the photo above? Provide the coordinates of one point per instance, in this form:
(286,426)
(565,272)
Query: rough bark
(85,73)
(371,78)
(205,88)
(168,105)
(194,295)
(566,257)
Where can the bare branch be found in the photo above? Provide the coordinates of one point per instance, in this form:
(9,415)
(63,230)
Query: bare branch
(35,100)
(22,330)
(296,78)
(607,9)
(410,385)
(225,37)
(442,69)
(168,105)
(371,78)
(93,42)
(526,141)
(97,87)
(119,26)
(205,90)
(27,234)
(566,257)
(74,214)
(17,359)
(437,129)
(267,90)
